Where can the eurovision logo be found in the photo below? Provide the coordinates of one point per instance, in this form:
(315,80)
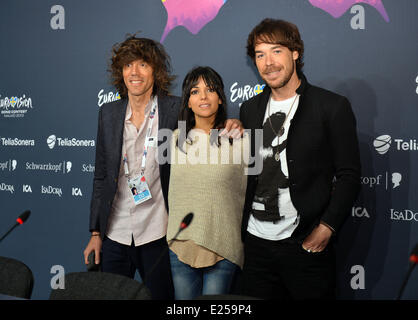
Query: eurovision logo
(15,107)
(107,97)
(243,93)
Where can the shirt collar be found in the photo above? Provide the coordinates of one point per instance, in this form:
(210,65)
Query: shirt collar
(147,108)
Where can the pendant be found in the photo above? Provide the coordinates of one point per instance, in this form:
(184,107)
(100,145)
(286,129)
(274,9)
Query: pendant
(277,156)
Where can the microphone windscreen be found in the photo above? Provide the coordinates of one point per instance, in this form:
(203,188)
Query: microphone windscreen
(24,216)
(187,220)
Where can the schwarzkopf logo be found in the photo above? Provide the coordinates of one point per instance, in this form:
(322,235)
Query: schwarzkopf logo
(53,140)
(383,142)
(64,167)
(9,165)
(387,179)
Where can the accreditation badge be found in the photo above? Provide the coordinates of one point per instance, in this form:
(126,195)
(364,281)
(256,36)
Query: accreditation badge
(140,190)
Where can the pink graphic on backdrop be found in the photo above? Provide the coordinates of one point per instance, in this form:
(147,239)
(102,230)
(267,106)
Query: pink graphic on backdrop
(191,14)
(337,8)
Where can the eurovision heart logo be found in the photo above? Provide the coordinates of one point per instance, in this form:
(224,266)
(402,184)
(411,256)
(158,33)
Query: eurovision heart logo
(13,101)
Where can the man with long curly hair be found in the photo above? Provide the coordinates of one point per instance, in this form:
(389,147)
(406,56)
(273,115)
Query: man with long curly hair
(129,228)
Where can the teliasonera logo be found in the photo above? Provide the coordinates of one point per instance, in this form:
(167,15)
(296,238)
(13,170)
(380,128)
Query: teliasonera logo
(382,143)
(243,93)
(53,141)
(107,97)
(16,142)
(416,81)
(15,107)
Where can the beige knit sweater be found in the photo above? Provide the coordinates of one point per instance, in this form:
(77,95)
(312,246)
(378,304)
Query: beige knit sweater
(210,182)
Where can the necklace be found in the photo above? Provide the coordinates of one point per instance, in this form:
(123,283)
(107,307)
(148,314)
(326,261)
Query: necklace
(281,130)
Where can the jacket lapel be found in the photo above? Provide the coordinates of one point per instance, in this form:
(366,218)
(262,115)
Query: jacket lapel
(163,112)
(262,106)
(118,119)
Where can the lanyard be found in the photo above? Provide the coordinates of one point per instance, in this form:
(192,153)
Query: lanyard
(146,144)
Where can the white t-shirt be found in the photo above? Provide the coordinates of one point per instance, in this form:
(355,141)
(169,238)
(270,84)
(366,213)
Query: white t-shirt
(284,227)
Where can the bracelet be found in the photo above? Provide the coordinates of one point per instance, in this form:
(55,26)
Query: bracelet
(96,234)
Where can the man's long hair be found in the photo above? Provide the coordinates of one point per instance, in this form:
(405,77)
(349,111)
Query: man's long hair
(148,50)
(276,32)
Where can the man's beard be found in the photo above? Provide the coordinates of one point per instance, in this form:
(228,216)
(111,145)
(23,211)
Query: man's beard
(284,81)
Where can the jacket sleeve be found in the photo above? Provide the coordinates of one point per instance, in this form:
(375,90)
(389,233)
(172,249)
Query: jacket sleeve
(99,178)
(342,135)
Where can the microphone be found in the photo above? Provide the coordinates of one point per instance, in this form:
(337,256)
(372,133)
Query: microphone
(413,258)
(414,255)
(183,225)
(20,220)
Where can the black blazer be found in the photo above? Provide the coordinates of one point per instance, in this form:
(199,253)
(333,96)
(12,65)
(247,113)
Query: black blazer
(109,154)
(322,143)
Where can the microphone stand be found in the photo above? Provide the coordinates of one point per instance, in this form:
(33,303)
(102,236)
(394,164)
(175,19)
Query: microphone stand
(411,267)
(7,233)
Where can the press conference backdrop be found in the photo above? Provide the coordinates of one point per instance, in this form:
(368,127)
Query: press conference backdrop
(53,80)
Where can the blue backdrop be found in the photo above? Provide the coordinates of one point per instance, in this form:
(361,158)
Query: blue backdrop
(54,60)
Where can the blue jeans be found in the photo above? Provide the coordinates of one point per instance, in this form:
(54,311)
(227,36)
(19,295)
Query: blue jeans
(190,282)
